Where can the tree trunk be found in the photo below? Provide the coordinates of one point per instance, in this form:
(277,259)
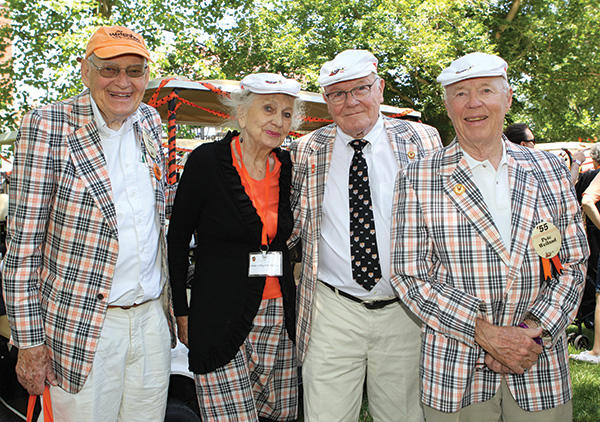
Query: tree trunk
(509,18)
(105,8)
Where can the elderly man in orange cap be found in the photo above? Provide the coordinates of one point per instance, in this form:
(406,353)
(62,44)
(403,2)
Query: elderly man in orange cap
(85,270)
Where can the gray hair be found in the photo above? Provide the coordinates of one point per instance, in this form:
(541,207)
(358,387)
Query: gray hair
(595,152)
(241,99)
(505,88)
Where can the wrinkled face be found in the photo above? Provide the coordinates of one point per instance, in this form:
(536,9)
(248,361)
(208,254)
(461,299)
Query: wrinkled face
(356,117)
(267,120)
(477,108)
(118,97)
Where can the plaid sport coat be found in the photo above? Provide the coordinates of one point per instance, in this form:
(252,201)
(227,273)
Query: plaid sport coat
(448,258)
(311,156)
(62,240)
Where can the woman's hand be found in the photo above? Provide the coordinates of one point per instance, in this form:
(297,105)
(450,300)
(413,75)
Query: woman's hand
(182,329)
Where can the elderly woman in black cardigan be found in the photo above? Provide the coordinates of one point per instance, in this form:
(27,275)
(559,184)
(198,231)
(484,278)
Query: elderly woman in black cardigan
(234,196)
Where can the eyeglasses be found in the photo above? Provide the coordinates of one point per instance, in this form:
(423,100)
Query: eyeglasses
(529,140)
(358,93)
(112,71)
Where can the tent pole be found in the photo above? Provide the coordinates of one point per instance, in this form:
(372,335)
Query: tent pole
(172,176)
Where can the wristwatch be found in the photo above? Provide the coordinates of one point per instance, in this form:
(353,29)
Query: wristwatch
(545,339)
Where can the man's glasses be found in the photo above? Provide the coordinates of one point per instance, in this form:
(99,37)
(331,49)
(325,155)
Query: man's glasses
(358,93)
(112,71)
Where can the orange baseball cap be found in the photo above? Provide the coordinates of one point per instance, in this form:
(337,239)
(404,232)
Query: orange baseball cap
(112,41)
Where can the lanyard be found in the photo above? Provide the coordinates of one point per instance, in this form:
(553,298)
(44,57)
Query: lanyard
(261,211)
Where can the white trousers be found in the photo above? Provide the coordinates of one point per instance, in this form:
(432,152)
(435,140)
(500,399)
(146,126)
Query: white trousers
(349,342)
(129,380)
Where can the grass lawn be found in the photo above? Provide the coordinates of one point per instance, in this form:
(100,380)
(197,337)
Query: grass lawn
(586,388)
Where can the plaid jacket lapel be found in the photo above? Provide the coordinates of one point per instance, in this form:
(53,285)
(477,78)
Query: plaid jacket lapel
(403,143)
(524,198)
(468,199)
(89,159)
(318,162)
(142,130)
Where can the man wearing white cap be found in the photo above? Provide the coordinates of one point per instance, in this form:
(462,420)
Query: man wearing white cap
(498,272)
(85,273)
(351,324)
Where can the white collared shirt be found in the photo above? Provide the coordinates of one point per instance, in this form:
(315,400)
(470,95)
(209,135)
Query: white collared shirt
(493,185)
(335,263)
(137,276)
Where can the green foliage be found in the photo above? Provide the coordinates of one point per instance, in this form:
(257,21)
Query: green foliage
(50,36)
(551,47)
(412,39)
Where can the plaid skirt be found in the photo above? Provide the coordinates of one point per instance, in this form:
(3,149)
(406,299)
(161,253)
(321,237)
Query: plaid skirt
(261,380)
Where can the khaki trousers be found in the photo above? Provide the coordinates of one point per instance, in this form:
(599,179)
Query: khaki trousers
(349,342)
(129,380)
(501,408)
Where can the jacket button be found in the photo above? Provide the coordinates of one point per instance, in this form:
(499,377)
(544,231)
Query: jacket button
(100,296)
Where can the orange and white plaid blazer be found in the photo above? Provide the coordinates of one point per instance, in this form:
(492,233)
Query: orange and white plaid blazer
(62,239)
(448,258)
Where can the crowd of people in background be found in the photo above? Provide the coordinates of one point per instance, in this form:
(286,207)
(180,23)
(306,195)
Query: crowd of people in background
(439,279)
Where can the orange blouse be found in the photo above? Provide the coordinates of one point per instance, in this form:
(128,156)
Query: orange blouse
(256,192)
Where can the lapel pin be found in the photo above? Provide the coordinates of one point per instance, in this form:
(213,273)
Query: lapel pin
(312,169)
(459,189)
(411,154)
(157,172)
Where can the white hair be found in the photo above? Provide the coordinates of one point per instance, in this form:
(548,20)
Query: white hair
(240,100)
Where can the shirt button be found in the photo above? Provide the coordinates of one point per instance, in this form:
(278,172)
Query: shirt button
(100,296)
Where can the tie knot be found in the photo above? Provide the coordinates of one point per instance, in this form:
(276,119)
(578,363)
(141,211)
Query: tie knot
(358,144)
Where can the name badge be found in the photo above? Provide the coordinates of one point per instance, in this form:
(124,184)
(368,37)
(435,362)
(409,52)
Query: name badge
(150,145)
(546,240)
(265,264)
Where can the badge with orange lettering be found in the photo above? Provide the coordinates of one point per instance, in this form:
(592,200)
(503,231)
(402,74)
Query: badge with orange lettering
(546,241)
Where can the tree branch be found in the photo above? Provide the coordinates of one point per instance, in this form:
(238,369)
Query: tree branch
(510,17)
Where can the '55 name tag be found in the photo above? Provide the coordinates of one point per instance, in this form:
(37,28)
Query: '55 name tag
(265,264)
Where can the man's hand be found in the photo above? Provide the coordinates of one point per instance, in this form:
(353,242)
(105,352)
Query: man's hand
(511,347)
(34,369)
(182,329)
(496,366)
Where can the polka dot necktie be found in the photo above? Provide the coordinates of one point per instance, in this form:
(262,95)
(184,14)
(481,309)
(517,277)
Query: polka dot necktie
(366,270)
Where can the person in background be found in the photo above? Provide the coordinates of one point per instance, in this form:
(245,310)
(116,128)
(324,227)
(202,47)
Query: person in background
(234,197)
(520,134)
(351,325)
(573,163)
(85,272)
(588,192)
(480,228)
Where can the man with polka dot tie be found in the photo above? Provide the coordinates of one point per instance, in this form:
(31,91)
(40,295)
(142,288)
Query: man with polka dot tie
(350,322)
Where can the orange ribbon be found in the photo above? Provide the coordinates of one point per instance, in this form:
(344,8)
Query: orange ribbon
(46,406)
(547,267)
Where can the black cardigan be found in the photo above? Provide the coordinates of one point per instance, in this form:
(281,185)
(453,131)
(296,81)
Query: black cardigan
(212,203)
